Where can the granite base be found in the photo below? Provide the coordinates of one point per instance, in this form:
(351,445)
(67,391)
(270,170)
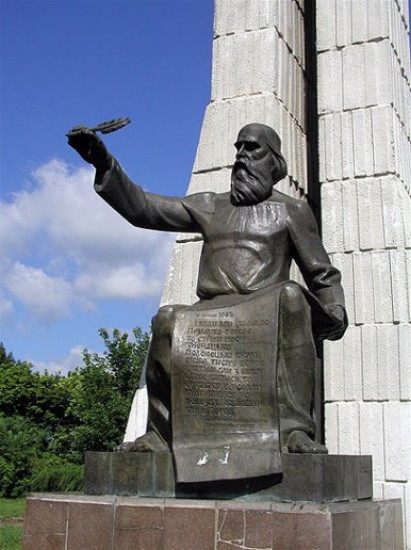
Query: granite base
(79,522)
(312,478)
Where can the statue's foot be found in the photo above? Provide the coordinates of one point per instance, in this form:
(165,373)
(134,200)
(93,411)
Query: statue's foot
(300,442)
(147,443)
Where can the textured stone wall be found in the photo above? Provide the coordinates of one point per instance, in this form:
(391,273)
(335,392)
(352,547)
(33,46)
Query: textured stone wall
(365,173)
(257,76)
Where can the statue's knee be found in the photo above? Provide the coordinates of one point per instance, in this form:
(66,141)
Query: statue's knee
(292,298)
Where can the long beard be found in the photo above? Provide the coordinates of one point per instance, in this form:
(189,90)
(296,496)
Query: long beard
(251,183)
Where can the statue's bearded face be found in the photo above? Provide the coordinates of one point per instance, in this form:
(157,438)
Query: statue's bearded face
(251,176)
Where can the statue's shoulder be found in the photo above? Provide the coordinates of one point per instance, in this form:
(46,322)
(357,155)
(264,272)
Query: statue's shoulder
(289,202)
(294,208)
(203,201)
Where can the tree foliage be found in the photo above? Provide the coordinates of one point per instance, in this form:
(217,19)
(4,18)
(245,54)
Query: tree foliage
(48,421)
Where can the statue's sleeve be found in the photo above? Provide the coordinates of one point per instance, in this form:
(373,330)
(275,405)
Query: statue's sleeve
(141,208)
(322,278)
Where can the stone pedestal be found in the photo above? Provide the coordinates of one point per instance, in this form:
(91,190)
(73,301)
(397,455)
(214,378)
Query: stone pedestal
(313,478)
(78,522)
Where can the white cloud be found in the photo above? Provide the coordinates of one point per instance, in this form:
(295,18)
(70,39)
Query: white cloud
(64,365)
(62,245)
(6,308)
(43,295)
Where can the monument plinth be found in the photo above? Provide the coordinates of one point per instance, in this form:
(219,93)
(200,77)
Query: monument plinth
(304,478)
(72,522)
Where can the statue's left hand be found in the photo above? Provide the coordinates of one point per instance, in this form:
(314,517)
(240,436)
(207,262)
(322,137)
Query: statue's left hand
(339,317)
(90,147)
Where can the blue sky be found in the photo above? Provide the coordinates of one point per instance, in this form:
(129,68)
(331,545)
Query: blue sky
(70,265)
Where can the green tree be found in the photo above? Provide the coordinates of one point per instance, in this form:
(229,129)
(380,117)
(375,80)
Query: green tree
(48,421)
(104,389)
(21,442)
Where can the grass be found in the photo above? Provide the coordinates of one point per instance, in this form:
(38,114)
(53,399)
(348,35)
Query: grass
(12,508)
(11,523)
(11,537)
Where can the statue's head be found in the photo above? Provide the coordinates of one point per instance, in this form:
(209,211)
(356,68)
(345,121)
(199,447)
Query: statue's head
(258,164)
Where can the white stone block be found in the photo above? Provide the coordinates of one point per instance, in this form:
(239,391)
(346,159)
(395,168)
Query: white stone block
(350,215)
(332,217)
(299,48)
(331,427)
(204,150)
(378,67)
(400,289)
(378,18)
(257,63)
(268,14)
(393,490)
(333,146)
(349,428)
(220,125)
(330,91)
(326,25)
(352,364)
(353,77)
(397,430)
(220,10)
(408,266)
(171,290)
(220,180)
(240,44)
(378,489)
(406,215)
(359,27)
(369,352)
(372,436)
(347,145)
(363,143)
(334,371)
(382,287)
(392,219)
(283,75)
(383,140)
(388,369)
(404,338)
(322,149)
(269,60)
(370,214)
(199,183)
(217,75)
(237,118)
(272,112)
(254,108)
(364,297)
(236,16)
(252,15)
(343,15)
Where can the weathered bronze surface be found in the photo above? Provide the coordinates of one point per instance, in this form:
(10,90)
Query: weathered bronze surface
(217,427)
(224,399)
(305,477)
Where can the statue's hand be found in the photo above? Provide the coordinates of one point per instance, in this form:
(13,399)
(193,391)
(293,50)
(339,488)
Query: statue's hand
(90,147)
(339,316)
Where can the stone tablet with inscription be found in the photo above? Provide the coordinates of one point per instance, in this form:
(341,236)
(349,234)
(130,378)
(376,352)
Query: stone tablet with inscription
(224,400)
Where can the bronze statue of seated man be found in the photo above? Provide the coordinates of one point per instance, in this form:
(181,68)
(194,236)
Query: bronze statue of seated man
(251,234)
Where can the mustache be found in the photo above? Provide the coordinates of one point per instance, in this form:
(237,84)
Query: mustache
(242,164)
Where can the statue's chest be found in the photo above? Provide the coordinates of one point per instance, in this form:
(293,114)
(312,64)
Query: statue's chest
(263,222)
